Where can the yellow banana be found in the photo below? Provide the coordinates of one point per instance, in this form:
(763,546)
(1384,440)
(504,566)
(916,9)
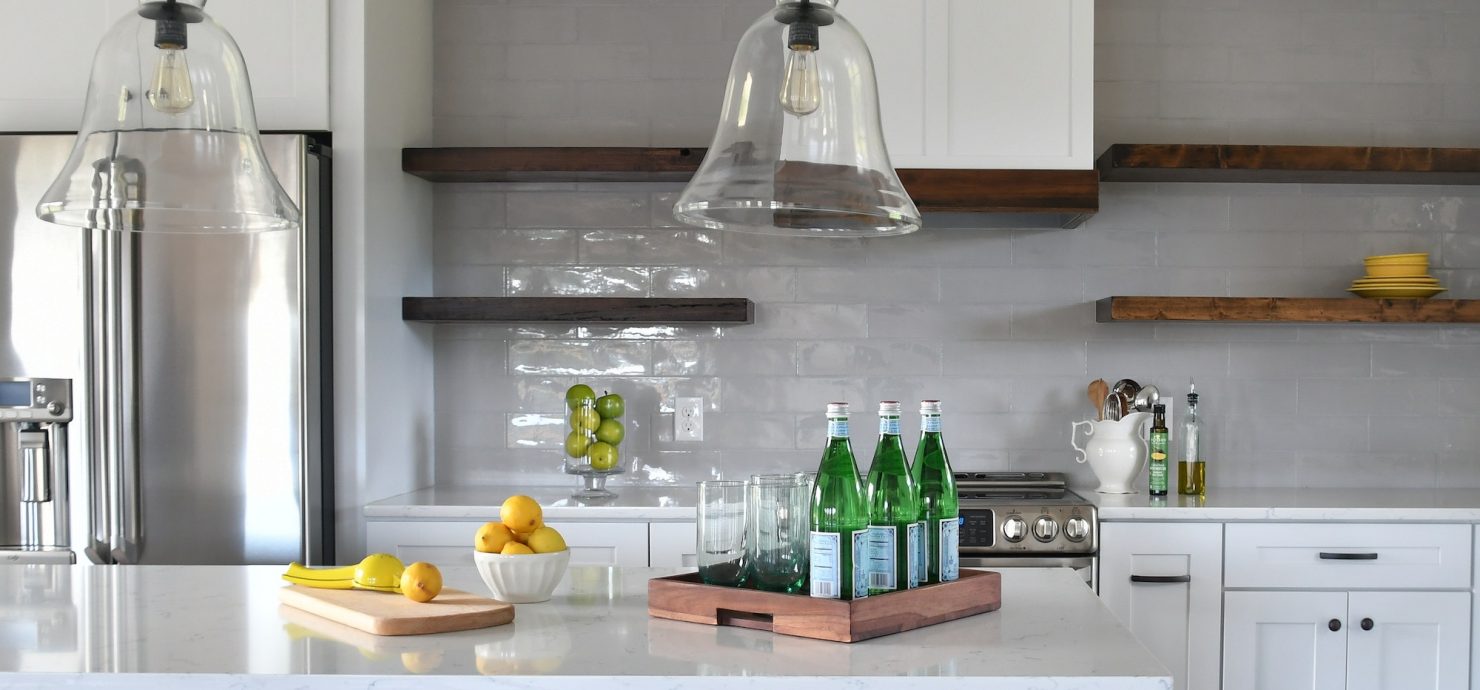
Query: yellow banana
(378,572)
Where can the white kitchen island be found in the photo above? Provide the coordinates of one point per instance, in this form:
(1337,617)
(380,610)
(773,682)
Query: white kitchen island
(222,627)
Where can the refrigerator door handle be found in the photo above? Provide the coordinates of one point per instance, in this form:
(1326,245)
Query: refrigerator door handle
(117,528)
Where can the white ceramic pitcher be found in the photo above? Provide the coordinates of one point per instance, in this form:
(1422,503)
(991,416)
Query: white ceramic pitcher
(1116,450)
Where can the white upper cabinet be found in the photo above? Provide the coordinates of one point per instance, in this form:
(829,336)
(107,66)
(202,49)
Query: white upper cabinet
(47,49)
(986,84)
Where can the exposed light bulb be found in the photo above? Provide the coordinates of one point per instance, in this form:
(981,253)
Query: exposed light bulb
(801,89)
(170,91)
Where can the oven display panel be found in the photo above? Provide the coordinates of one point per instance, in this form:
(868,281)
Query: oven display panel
(978,528)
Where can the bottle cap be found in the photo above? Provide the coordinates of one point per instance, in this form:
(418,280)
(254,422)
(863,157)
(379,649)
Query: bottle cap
(1158,408)
(889,407)
(837,408)
(929,407)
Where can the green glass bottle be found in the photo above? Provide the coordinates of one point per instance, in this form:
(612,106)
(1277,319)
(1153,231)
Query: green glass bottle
(839,540)
(938,504)
(893,511)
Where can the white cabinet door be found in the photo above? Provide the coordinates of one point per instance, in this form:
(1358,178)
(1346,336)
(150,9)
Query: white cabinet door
(451,543)
(983,83)
(1409,640)
(47,48)
(1164,582)
(673,545)
(1284,640)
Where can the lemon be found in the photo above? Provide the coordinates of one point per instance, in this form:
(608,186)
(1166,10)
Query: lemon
(515,547)
(492,536)
(421,582)
(521,514)
(545,540)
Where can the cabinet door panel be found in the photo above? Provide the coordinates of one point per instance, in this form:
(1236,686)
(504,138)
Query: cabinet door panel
(1418,640)
(673,545)
(895,32)
(1178,621)
(1282,641)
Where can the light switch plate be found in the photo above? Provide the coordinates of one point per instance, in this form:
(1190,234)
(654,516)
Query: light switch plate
(688,419)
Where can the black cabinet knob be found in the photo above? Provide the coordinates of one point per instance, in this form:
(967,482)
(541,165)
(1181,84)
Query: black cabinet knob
(1334,625)
(1367,624)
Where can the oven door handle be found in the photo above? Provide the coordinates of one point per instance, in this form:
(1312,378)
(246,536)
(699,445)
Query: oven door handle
(1075,562)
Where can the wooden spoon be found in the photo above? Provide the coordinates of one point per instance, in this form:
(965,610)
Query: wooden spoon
(1098,389)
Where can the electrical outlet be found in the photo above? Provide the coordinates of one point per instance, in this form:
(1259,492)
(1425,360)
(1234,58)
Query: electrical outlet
(688,419)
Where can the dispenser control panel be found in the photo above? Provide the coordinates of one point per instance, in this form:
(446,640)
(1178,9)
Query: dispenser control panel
(35,400)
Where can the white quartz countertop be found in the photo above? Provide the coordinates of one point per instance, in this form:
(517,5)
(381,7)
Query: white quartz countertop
(1293,505)
(222,626)
(482,503)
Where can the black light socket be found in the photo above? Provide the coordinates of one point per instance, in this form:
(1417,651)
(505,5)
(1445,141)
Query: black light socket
(802,36)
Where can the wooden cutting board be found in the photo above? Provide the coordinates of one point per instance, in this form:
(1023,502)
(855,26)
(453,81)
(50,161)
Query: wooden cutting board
(392,614)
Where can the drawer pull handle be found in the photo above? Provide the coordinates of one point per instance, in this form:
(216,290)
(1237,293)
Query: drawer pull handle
(1367,623)
(1334,625)
(1161,579)
(1328,556)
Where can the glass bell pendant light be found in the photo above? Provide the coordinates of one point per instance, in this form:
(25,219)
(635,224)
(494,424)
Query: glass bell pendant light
(799,150)
(169,139)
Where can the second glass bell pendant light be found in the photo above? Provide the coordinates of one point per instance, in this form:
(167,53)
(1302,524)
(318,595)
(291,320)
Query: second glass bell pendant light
(799,150)
(169,139)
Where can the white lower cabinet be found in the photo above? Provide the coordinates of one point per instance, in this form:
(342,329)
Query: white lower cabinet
(1165,583)
(1302,640)
(451,543)
(673,545)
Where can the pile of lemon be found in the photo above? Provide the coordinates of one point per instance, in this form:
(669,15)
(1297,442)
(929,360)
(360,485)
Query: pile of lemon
(521,530)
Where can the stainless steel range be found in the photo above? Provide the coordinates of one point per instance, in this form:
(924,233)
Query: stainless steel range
(1025,519)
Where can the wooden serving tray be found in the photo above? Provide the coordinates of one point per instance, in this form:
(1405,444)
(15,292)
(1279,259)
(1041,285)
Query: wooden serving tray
(686,598)
(380,613)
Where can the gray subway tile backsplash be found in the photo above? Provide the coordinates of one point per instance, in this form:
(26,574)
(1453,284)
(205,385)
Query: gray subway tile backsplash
(999,323)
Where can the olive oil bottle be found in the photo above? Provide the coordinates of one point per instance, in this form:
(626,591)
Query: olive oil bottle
(1192,469)
(1158,472)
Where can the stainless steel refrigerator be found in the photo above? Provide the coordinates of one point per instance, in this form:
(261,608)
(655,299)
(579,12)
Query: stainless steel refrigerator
(164,398)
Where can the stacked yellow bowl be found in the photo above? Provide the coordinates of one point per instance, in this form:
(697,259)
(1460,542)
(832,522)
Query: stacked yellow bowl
(1397,276)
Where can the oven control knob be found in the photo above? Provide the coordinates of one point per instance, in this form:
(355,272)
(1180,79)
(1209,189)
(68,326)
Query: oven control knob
(1014,529)
(1076,528)
(1045,529)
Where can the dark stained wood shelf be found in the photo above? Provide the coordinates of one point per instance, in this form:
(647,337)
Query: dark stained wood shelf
(631,310)
(1308,164)
(1287,310)
(1056,198)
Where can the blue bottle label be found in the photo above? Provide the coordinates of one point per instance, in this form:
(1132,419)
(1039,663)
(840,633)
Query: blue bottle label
(881,563)
(860,571)
(915,547)
(930,422)
(950,549)
(888,425)
(837,427)
(826,565)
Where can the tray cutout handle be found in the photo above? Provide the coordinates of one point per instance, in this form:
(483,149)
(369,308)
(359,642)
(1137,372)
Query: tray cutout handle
(745,619)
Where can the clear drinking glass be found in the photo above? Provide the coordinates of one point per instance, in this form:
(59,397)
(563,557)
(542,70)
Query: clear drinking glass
(722,545)
(780,525)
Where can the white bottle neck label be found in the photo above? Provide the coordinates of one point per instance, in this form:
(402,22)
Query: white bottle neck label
(837,427)
(888,425)
(930,423)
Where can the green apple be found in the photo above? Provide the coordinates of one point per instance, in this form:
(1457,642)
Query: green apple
(584,419)
(576,443)
(610,406)
(579,395)
(611,431)
(603,456)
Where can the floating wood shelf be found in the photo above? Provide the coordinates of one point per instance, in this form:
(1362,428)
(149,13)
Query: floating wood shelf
(1310,164)
(627,310)
(1287,310)
(1056,198)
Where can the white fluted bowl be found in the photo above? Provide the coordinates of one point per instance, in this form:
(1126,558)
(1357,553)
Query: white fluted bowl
(522,578)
